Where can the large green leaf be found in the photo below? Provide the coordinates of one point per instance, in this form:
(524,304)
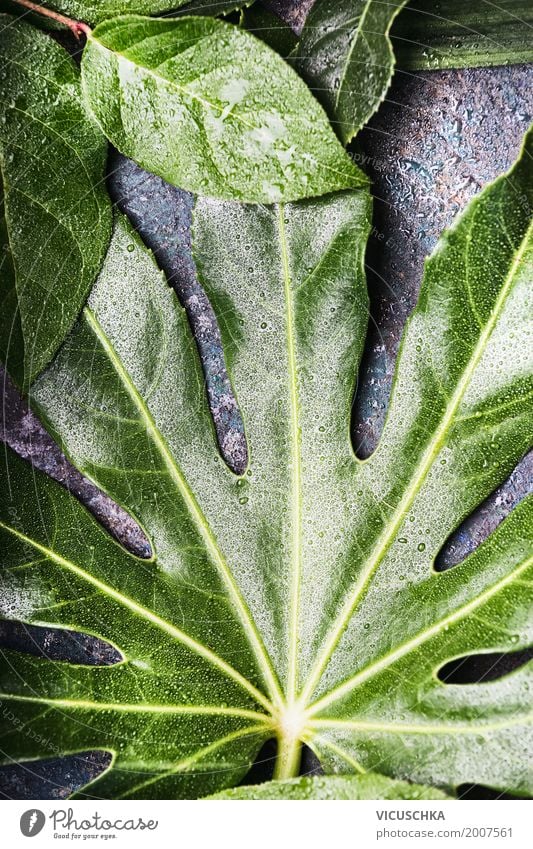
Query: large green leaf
(11,339)
(178,618)
(186,98)
(368,786)
(455,34)
(56,215)
(346,56)
(300,600)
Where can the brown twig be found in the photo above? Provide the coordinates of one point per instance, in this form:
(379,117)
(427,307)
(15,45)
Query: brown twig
(76,27)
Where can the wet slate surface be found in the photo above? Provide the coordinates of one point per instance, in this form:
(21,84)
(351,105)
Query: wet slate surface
(162,214)
(436,140)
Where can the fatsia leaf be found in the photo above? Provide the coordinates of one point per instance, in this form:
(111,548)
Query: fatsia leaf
(178,619)
(300,600)
(367,786)
(186,99)
(132,383)
(346,57)
(456,34)
(55,211)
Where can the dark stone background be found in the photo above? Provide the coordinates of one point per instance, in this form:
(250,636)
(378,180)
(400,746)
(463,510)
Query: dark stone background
(435,141)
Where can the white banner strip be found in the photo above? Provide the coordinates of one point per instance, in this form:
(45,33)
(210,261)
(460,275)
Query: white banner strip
(252,825)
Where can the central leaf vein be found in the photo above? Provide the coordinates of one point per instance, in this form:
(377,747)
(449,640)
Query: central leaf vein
(295,468)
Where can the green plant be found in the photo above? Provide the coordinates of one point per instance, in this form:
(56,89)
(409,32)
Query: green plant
(191,84)
(339,39)
(369,786)
(299,600)
(52,160)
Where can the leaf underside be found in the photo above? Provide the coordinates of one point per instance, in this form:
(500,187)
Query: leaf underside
(55,214)
(185,98)
(299,600)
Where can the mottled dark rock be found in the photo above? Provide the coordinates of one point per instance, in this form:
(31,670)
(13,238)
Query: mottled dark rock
(51,779)
(435,142)
(293,12)
(162,214)
(22,431)
(57,644)
(488,667)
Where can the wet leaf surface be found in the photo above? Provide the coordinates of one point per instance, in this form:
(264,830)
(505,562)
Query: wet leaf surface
(323,614)
(186,100)
(52,196)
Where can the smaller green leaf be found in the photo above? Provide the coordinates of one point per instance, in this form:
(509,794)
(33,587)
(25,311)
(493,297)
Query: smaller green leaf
(55,214)
(102,10)
(94,11)
(11,339)
(329,787)
(346,57)
(213,7)
(456,34)
(211,109)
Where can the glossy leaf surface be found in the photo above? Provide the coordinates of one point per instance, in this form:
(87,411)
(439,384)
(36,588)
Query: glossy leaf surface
(346,57)
(95,11)
(455,34)
(186,665)
(186,99)
(55,211)
(103,10)
(214,7)
(299,601)
(11,339)
(369,786)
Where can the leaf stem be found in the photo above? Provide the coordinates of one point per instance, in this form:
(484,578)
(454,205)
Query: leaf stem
(78,28)
(289,757)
